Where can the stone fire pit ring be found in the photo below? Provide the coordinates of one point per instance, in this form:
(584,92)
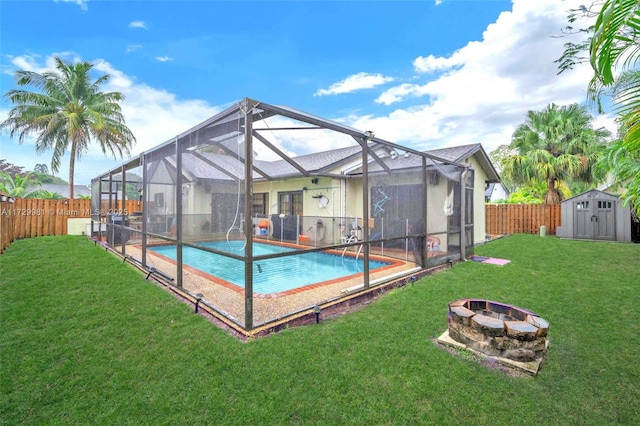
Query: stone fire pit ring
(508,333)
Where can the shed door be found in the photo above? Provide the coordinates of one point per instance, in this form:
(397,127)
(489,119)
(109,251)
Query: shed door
(583,225)
(605,220)
(595,220)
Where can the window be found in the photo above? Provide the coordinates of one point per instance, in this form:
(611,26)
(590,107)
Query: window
(158,199)
(290,203)
(260,203)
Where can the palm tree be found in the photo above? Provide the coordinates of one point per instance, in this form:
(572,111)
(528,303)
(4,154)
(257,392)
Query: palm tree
(556,145)
(621,167)
(614,46)
(69,113)
(50,195)
(19,186)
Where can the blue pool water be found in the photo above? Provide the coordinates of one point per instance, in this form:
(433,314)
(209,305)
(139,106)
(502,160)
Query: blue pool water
(272,275)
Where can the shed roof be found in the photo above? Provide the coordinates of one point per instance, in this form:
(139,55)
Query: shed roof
(591,194)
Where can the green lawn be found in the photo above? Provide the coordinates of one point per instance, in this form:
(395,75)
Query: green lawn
(85,339)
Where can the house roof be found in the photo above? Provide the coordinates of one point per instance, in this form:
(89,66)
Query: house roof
(489,191)
(214,148)
(592,193)
(200,165)
(460,154)
(63,189)
(456,154)
(214,166)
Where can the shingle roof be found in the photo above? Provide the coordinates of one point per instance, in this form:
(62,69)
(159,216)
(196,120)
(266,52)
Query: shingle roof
(455,153)
(323,161)
(313,163)
(63,189)
(460,153)
(221,131)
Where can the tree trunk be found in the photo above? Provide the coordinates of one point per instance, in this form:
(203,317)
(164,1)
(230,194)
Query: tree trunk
(72,166)
(553,196)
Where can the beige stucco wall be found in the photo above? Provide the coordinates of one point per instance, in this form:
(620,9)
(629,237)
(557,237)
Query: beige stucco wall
(333,189)
(345,200)
(78,226)
(436,218)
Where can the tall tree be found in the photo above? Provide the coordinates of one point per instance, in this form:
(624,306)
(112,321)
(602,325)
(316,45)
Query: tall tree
(68,113)
(41,168)
(620,167)
(615,47)
(555,145)
(497,157)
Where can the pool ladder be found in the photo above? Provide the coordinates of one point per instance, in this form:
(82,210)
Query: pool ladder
(351,239)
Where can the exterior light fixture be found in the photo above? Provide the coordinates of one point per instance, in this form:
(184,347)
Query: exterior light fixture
(3,198)
(12,200)
(316,311)
(199,297)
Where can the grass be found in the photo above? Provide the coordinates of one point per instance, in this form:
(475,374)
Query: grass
(85,339)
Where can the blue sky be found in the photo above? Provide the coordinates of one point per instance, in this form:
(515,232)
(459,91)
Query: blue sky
(426,74)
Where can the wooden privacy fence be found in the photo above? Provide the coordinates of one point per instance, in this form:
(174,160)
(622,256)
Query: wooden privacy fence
(503,219)
(6,222)
(33,217)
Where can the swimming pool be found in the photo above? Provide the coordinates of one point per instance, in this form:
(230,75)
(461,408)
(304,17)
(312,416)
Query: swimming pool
(271,275)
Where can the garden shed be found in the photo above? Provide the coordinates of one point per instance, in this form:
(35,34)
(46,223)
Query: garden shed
(595,215)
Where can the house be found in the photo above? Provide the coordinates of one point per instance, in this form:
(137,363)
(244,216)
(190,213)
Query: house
(63,189)
(355,195)
(495,192)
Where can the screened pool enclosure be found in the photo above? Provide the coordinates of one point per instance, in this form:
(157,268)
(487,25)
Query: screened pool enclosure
(263,214)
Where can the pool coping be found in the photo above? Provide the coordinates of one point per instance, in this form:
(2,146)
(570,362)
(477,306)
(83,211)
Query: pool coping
(391,264)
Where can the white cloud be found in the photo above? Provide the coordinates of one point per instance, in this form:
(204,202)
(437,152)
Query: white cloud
(37,63)
(398,93)
(133,47)
(479,93)
(153,115)
(482,92)
(164,58)
(138,24)
(432,63)
(81,3)
(355,82)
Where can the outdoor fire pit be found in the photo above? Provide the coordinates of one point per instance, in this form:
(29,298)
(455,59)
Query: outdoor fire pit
(514,336)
